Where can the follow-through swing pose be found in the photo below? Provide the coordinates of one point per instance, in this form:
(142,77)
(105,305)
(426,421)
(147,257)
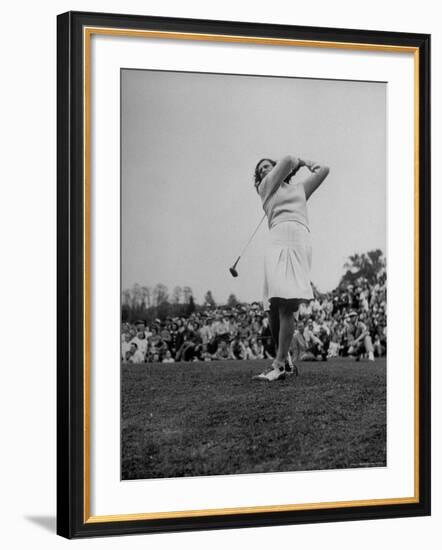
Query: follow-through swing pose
(287,259)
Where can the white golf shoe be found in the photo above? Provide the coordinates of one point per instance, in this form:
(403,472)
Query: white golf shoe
(272,374)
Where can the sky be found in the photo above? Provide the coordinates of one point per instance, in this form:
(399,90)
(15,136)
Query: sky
(189,146)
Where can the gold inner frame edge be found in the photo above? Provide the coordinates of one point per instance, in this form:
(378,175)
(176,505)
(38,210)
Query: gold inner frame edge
(87,33)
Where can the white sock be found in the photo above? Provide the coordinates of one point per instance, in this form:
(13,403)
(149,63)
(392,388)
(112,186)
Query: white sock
(278,364)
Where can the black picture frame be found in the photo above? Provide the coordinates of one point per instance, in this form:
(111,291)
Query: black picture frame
(73,520)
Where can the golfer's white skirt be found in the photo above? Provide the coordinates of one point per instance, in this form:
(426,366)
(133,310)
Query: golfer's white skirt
(287,263)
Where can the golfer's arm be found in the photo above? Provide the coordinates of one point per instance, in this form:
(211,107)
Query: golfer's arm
(279,172)
(318,175)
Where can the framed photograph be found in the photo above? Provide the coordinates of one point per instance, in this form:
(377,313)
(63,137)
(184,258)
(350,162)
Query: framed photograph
(243,210)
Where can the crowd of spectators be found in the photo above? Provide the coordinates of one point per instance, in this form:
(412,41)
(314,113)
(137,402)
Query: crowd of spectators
(350,321)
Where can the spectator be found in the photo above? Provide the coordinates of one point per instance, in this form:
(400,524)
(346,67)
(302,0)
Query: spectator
(168,357)
(222,330)
(334,348)
(257,348)
(361,342)
(298,346)
(125,347)
(190,348)
(205,355)
(267,340)
(166,335)
(307,346)
(173,339)
(248,354)
(233,327)
(237,348)
(141,341)
(134,355)
(322,348)
(329,329)
(206,331)
(223,352)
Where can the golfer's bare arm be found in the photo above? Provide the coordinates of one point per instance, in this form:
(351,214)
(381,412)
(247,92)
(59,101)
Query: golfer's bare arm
(279,173)
(318,175)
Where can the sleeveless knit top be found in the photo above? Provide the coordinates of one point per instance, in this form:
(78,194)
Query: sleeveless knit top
(283,202)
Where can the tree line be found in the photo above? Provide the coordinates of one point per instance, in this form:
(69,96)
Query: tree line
(149,303)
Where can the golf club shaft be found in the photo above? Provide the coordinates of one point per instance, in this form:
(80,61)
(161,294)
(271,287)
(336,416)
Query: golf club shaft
(250,240)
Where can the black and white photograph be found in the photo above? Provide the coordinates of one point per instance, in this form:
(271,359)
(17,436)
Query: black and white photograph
(253,274)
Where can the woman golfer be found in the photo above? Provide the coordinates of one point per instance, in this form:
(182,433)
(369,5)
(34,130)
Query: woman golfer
(287,260)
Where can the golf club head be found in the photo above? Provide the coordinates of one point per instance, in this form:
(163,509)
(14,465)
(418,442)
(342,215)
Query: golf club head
(233,272)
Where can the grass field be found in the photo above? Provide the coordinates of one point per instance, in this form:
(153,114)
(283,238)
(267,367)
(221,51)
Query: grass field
(196,419)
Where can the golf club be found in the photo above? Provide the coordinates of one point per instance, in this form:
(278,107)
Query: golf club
(232,269)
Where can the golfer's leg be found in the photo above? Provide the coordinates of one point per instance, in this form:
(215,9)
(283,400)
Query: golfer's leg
(286,329)
(274,323)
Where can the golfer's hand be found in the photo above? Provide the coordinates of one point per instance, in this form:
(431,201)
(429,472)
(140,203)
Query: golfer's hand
(311,165)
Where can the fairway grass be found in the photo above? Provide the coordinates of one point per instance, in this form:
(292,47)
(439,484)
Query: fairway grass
(198,419)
